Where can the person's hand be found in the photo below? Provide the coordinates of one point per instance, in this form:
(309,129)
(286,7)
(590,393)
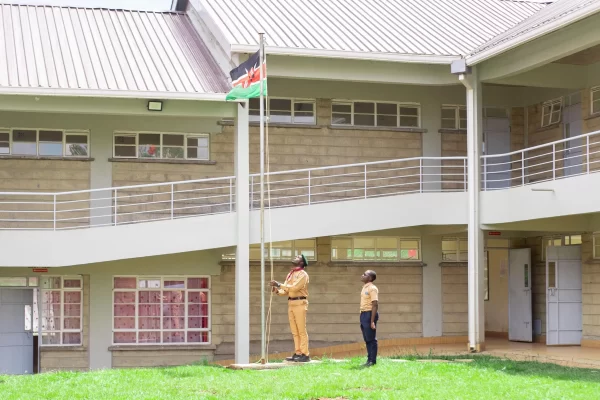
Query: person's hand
(274,283)
(274,289)
(373,325)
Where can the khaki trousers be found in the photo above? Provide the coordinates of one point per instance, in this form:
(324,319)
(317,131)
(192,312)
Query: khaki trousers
(297,315)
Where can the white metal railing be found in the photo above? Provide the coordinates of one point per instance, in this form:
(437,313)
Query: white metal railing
(563,158)
(172,200)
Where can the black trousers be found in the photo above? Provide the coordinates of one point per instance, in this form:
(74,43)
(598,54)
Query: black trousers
(369,335)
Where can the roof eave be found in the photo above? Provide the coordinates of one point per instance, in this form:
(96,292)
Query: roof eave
(349,55)
(533,34)
(115,94)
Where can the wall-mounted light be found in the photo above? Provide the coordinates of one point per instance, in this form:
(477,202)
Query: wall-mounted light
(155,106)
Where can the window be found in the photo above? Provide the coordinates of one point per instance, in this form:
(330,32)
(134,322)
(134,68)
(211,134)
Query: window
(559,240)
(285,251)
(455,249)
(596,245)
(166,146)
(486,277)
(62,310)
(359,113)
(551,112)
(161,310)
(44,142)
(454,117)
(595,99)
(285,111)
(375,248)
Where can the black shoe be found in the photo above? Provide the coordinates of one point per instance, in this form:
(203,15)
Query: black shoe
(303,358)
(292,358)
(368,364)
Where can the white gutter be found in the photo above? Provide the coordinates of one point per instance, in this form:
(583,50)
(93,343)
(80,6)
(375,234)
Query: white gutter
(348,55)
(116,94)
(534,34)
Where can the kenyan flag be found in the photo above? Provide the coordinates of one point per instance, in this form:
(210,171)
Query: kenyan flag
(246,79)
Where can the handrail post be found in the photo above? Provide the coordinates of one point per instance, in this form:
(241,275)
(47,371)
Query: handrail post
(115,206)
(230,194)
(365,181)
(309,187)
(251,193)
(522,168)
(464,174)
(420,175)
(587,152)
(553,161)
(54,212)
(172,200)
(484,173)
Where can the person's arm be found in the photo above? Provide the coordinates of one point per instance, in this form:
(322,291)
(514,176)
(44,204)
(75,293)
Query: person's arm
(300,282)
(375,304)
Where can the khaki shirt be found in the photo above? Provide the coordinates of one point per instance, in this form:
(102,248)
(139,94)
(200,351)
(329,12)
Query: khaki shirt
(295,286)
(368,295)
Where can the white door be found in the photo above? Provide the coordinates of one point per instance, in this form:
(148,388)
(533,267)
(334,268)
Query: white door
(520,326)
(574,149)
(16,344)
(564,325)
(497,174)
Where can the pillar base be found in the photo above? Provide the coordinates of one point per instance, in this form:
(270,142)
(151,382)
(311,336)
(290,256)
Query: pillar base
(476,348)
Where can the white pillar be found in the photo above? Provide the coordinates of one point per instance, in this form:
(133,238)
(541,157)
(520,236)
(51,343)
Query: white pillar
(432,285)
(476,267)
(242,252)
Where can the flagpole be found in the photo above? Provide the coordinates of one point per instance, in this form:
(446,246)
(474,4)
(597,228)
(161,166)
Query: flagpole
(262,201)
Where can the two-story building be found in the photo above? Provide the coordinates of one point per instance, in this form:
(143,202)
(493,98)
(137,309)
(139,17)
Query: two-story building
(449,145)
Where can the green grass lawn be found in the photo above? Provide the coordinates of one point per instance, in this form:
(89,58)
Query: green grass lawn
(485,378)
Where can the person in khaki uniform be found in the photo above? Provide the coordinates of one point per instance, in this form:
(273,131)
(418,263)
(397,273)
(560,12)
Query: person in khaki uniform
(296,288)
(369,303)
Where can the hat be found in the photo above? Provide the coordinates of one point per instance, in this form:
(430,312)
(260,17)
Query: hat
(304,260)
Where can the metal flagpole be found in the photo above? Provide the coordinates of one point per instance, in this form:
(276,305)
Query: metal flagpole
(262,201)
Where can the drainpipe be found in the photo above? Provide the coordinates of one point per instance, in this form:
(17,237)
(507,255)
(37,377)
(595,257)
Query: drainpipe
(469,78)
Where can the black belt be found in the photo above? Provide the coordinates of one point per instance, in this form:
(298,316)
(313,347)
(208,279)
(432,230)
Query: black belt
(297,298)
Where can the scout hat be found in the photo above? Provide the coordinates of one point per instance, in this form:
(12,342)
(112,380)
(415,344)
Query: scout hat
(304,260)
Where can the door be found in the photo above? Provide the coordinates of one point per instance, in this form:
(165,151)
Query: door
(16,343)
(573,126)
(520,328)
(497,174)
(564,325)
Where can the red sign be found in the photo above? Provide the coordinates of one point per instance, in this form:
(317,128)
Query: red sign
(494,233)
(39,269)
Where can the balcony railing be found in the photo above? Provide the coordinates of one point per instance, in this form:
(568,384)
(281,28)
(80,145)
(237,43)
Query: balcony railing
(173,200)
(564,158)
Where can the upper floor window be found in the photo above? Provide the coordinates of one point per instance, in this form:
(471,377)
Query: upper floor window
(559,240)
(285,111)
(551,112)
(168,146)
(283,251)
(454,117)
(595,99)
(596,245)
(44,142)
(455,249)
(375,248)
(360,113)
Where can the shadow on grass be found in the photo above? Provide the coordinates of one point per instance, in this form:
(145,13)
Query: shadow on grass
(516,368)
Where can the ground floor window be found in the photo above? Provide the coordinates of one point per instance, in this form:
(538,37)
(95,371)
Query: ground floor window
(375,248)
(455,249)
(62,310)
(559,240)
(161,310)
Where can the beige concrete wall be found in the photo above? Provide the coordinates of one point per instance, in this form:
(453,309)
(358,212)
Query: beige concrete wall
(536,135)
(455,300)
(517,141)
(454,144)
(591,123)
(496,308)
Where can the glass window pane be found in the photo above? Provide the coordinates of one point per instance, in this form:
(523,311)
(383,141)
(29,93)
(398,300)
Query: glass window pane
(26,136)
(364,108)
(51,283)
(150,283)
(124,151)
(409,111)
(448,124)
(341,107)
(281,105)
(4,137)
(51,136)
(7,282)
(304,118)
(173,152)
(173,140)
(77,150)
(551,274)
(125,140)
(33,281)
(387,108)
(149,151)
(341,119)
(463,124)
(303,107)
(449,113)
(387,120)
(254,103)
(364,242)
(50,149)
(462,113)
(364,120)
(24,142)
(197,141)
(149,138)
(76,139)
(281,117)
(72,283)
(4,148)
(409,122)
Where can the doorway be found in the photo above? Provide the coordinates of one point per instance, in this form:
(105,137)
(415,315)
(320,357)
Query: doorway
(564,313)
(16,331)
(496,134)
(520,313)
(573,127)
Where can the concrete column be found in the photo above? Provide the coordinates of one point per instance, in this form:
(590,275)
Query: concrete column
(431,248)
(101,177)
(100,321)
(476,245)
(242,253)
(432,147)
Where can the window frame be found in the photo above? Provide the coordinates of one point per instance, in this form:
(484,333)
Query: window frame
(595,255)
(294,250)
(457,108)
(457,240)
(293,101)
(562,238)
(557,102)
(136,146)
(162,278)
(594,91)
(62,290)
(375,114)
(64,132)
(399,249)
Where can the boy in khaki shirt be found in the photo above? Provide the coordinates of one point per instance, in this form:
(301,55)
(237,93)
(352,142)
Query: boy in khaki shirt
(369,302)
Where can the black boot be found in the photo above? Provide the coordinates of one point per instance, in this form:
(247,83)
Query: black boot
(303,358)
(292,358)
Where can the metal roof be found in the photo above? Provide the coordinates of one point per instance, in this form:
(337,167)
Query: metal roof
(552,17)
(395,27)
(60,50)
